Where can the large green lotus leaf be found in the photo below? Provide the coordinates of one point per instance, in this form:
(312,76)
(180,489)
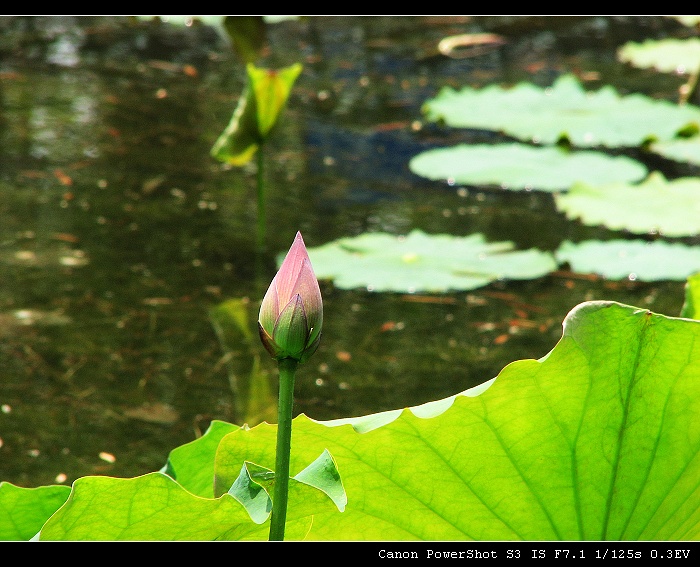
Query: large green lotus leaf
(419,262)
(631,259)
(189,465)
(24,510)
(598,440)
(683,150)
(521,167)
(155,507)
(671,208)
(564,110)
(669,55)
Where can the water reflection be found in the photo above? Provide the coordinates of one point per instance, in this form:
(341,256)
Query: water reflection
(120,235)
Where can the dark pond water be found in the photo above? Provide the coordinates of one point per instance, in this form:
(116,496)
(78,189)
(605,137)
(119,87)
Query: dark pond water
(119,233)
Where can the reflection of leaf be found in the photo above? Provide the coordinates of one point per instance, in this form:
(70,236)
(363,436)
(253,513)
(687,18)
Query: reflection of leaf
(422,262)
(247,34)
(230,318)
(633,259)
(671,208)
(565,110)
(518,166)
(254,398)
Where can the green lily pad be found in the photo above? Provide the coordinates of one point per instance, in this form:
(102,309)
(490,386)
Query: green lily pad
(669,55)
(564,111)
(631,259)
(686,150)
(425,263)
(522,167)
(671,208)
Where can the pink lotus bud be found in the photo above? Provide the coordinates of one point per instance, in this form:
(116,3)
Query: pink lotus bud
(291,313)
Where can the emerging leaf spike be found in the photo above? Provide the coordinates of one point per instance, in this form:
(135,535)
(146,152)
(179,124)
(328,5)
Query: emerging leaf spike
(291,313)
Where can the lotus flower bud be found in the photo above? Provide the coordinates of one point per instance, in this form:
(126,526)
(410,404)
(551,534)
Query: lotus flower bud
(291,313)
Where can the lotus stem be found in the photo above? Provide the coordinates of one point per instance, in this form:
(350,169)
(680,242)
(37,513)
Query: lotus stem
(287,370)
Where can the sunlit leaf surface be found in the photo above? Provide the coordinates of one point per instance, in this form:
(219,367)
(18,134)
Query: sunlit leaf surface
(671,208)
(669,55)
(24,510)
(683,150)
(563,111)
(631,259)
(522,167)
(424,262)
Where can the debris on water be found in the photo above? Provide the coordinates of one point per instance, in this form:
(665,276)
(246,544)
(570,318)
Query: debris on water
(157,412)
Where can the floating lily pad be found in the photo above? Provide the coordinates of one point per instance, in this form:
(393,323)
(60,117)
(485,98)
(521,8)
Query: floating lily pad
(631,259)
(666,55)
(564,111)
(522,167)
(671,208)
(686,150)
(423,262)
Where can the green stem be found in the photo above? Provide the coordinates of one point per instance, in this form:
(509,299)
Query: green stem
(287,368)
(261,198)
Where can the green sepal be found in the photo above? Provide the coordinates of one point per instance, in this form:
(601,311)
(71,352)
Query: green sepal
(291,331)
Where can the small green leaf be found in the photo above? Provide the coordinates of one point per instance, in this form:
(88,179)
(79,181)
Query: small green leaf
(272,89)
(323,474)
(240,140)
(258,111)
(251,490)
